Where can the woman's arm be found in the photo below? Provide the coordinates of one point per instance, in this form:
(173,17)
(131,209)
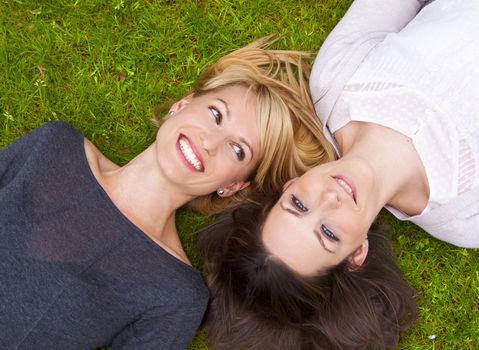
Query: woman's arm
(364,25)
(13,156)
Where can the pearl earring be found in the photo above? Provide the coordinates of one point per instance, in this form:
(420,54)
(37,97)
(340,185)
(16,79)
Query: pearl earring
(220,192)
(171,113)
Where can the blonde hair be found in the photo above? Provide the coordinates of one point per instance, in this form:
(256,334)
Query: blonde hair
(291,135)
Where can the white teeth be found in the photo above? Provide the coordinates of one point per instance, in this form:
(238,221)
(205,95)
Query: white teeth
(345,185)
(189,154)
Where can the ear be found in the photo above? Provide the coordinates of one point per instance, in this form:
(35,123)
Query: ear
(234,187)
(359,255)
(179,105)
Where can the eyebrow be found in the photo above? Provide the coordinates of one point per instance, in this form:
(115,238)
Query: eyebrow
(228,115)
(316,233)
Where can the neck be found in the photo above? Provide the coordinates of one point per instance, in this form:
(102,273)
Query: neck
(143,196)
(395,166)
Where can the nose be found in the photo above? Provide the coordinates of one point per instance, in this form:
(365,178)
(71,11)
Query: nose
(330,199)
(210,141)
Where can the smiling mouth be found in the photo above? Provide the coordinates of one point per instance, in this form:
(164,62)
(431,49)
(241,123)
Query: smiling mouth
(346,186)
(189,155)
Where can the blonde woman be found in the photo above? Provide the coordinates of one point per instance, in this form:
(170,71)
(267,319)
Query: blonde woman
(90,252)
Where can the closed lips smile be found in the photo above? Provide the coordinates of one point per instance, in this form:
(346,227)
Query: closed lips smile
(189,154)
(346,186)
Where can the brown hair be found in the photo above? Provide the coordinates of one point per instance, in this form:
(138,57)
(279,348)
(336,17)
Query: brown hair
(291,135)
(257,302)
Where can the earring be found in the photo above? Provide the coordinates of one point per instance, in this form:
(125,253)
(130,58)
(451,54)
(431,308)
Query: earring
(220,192)
(171,113)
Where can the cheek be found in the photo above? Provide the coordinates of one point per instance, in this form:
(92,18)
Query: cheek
(224,174)
(247,173)
(166,135)
(355,228)
(230,167)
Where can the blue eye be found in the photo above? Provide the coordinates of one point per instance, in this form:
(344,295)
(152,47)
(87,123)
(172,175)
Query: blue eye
(239,151)
(216,114)
(329,234)
(298,204)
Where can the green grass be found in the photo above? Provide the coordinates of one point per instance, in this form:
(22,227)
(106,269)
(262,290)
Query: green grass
(104,65)
(447,279)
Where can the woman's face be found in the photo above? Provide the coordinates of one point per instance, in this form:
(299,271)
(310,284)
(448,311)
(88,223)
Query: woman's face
(321,219)
(212,141)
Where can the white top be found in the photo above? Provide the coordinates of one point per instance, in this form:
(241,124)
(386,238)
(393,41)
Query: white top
(415,82)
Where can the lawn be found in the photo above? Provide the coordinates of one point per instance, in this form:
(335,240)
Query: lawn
(104,65)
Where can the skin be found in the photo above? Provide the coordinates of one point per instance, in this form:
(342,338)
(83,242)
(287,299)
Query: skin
(219,128)
(323,217)
(315,223)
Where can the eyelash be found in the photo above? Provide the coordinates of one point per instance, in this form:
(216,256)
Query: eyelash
(298,204)
(328,233)
(238,150)
(300,207)
(216,114)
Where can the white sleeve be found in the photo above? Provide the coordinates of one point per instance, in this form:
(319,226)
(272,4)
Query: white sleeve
(365,24)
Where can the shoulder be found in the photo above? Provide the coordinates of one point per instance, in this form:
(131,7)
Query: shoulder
(365,24)
(42,141)
(190,300)
(163,276)
(53,133)
(187,289)
(57,139)
(191,286)
(454,222)
(171,326)
(59,128)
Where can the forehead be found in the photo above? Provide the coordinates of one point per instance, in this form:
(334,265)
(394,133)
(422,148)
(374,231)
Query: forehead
(295,245)
(238,96)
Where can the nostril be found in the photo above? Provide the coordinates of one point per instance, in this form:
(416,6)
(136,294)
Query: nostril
(338,198)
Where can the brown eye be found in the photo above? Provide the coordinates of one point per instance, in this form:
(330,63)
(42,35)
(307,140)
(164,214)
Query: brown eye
(216,114)
(239,151)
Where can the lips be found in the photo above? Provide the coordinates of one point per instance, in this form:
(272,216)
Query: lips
(191,157)
(346,185)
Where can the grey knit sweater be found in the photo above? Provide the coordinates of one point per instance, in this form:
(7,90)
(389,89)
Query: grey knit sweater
(74,272)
